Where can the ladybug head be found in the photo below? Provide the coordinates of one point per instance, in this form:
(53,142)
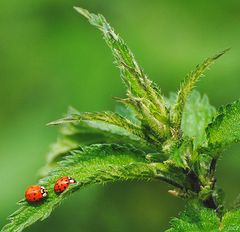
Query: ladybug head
(71,180)
(44,191)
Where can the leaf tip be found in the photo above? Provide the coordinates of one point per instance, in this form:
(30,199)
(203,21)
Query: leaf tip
(218,55)
(55,123)
(51,123)
(82,11)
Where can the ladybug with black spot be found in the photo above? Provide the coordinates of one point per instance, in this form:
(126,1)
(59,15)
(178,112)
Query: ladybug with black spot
(63,183)
(35,193)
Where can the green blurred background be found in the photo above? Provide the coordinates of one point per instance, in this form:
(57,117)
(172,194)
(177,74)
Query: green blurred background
(50,58)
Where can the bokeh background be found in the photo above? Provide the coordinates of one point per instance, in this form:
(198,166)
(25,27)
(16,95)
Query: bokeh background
(50,58)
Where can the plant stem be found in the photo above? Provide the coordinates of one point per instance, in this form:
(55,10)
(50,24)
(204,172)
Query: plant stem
(210,203)
(171,182)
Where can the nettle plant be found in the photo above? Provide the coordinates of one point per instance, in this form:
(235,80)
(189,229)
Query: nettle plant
(176,140)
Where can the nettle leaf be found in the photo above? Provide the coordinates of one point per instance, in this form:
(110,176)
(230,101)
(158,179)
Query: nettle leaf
(225,129)
(187,86)
(128,113)
(108,118)
(180,155)
(92,128)
(170,101)
(195,219)
(85,133)
(231,221)
(197,114)
(131,73)
(97,164)
(144,96)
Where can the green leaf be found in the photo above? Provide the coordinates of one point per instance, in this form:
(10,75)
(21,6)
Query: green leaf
(197,114)
(88,133)
(128,113)
(187,86)
(85,133)
(195,219)
(170,101)
(180,155)
(96,164)
(231,221)
(225,129)
(144,96)
(110,118)
(131,73)
(105,127)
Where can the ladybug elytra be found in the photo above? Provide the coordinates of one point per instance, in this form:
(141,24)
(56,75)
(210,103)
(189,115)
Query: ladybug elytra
(35,193)
(62,183)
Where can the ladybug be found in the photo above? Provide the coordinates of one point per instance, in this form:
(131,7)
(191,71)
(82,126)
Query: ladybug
(62,183)
(35,193)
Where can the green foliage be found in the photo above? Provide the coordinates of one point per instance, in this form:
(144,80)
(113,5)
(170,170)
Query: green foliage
(197,114)
(195,219)
(153,138)
(132,74)
(187,86)
(104,117)
(231,221)
(87,129)
(180,155)
(97,164)
(143,96)
(225,129)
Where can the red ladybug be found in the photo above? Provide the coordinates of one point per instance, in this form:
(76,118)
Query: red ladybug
(35,193)
(62,183)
